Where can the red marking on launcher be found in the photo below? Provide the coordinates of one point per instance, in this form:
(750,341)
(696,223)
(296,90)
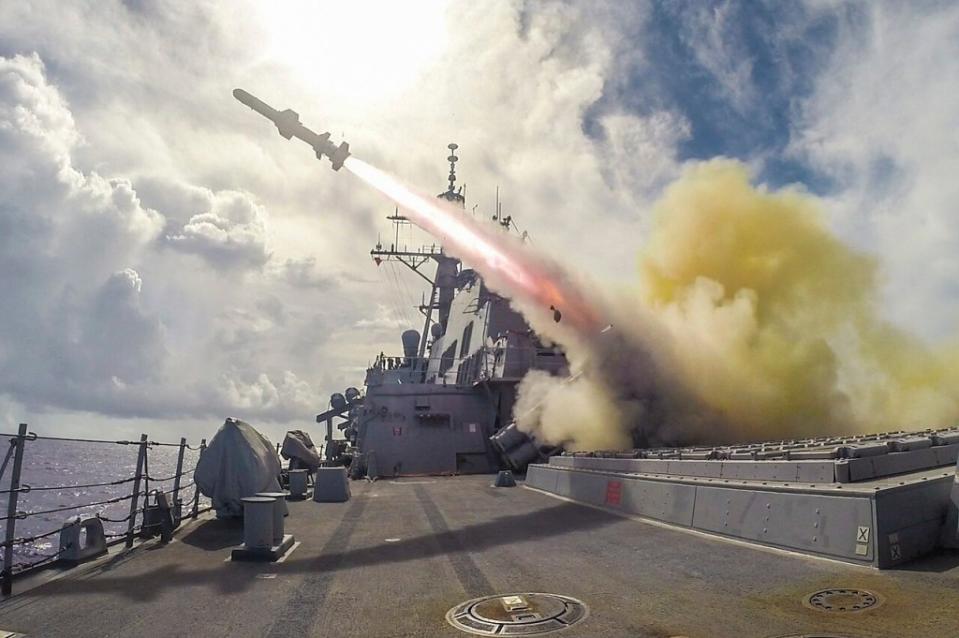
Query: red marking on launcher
(398,431)
(614,492)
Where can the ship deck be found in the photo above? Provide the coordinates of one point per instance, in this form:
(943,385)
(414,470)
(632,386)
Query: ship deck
(400,553)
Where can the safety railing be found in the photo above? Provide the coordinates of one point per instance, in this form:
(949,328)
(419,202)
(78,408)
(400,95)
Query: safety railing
(140,488)
(488,363)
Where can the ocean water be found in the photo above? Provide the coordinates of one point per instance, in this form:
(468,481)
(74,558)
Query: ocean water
(67,466)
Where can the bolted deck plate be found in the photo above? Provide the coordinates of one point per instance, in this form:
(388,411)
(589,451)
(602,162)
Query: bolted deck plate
(837,600)
(522,614)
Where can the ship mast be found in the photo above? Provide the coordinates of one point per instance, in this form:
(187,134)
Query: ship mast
(415,258)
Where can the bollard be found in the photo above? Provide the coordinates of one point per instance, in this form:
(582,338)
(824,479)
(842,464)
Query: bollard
(279,511)
(258,522)
(298,483)
(263,537)
(331,485)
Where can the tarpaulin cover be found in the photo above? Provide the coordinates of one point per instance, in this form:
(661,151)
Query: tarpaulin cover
(238,462)
(298,445)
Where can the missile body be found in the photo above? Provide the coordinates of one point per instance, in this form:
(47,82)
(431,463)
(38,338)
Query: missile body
(288,124)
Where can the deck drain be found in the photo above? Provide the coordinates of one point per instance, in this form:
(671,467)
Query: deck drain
(526,614)
(842,600)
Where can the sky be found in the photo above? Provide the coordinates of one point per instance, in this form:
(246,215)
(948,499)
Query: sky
(167,260)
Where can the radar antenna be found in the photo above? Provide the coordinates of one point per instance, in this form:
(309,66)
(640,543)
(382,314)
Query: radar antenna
(453,194)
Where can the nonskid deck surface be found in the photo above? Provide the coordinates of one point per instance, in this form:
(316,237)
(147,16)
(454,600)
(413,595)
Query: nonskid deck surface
(395,558)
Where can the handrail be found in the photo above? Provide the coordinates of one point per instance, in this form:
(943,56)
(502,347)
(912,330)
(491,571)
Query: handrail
(140,480)
(19,568)
(46,488)
(34,437)
(29,539)
(118,499)
(170,478)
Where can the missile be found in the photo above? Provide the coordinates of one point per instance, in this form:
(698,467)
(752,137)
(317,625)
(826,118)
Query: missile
(288,124)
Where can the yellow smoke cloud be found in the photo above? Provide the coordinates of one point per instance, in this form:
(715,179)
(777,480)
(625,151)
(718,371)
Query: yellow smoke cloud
(774,321)
(751,321)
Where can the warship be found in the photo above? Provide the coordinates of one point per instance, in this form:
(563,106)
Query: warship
(830,537)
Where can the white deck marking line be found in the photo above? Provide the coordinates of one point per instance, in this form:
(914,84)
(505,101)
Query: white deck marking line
(288,552)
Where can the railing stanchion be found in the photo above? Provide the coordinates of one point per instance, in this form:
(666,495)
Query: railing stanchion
(7,587)
(176,482)
(196,488)
(141,460)
(146,482)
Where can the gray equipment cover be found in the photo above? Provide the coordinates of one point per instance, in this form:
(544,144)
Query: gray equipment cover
(238,462)
(298,445)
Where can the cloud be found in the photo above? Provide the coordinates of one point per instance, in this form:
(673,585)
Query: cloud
(305,273)
(229,233)
(383,319)
(96,287)
(69,298)
(883,119)
(122,151)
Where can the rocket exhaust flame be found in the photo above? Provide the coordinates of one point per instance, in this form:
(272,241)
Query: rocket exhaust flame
(501,258)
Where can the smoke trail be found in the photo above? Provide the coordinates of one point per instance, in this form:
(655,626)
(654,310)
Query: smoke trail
(750,321)
(506,264)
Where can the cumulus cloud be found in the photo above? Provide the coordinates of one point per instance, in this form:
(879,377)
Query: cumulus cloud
(230,232)
(69,299)
(883,121)
(93,300)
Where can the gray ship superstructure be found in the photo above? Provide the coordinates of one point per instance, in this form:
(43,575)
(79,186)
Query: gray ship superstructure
(445,405)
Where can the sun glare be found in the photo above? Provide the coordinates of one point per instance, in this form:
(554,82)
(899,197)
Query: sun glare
(361,50)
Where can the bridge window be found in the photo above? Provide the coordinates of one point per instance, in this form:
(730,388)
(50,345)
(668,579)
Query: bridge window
(467,335)
(446,361)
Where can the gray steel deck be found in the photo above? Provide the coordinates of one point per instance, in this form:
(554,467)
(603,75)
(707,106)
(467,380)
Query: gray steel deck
(457,538)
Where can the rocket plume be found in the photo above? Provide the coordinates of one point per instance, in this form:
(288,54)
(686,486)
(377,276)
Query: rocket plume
(501,258)
(751,321)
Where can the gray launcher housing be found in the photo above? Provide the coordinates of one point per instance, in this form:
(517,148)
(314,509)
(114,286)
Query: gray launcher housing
(878,500)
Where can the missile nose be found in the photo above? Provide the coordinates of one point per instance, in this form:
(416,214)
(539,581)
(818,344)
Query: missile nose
(244,97)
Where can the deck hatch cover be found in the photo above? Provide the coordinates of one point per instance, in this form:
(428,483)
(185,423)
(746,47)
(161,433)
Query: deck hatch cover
(522,614)
(842,600)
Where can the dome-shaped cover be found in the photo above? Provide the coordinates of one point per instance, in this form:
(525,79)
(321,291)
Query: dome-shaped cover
(298,445)
(338,402)
(238,462)
(411,342)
